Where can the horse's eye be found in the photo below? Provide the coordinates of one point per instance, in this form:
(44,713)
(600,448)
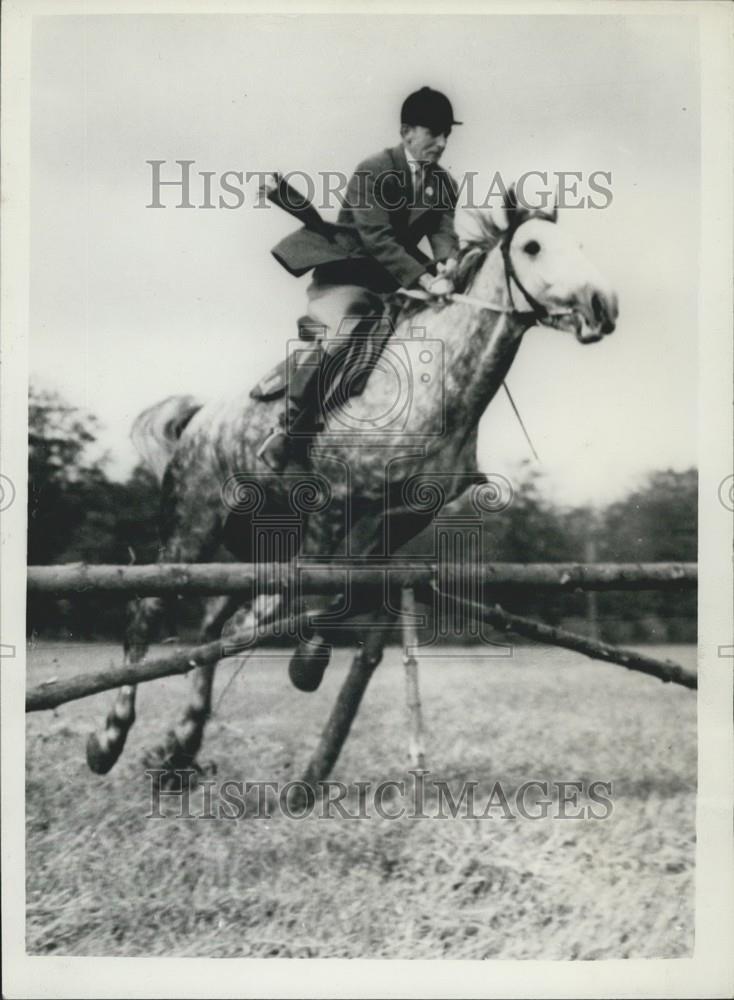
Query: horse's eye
(533,248)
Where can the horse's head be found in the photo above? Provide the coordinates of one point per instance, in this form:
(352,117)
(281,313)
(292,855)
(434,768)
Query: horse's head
(544,272)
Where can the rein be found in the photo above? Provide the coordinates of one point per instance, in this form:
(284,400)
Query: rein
(538,312)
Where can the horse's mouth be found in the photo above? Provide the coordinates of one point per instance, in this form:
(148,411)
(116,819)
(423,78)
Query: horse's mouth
(588,321)
(575,321)
(586,334)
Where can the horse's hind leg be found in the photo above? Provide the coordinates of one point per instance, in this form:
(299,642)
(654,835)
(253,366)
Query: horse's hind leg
(228,617)
(191,530)
(183,742)
(345,708)
(104,749)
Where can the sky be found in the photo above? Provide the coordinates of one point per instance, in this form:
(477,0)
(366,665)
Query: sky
(130,304)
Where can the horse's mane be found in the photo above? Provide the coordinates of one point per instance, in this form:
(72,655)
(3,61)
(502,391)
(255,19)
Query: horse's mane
(470,262)
(478,235)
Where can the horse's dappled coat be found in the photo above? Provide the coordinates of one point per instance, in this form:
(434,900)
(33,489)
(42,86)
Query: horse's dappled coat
(219,441)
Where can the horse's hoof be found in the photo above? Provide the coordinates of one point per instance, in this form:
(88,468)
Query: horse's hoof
(171,758)
(99,760)
(308,664)
(174,776)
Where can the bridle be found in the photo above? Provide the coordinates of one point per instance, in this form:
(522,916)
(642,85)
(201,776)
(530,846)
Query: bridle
(537,314)
(537,311)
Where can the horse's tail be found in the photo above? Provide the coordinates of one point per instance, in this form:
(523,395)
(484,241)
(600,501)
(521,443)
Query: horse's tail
(156,431)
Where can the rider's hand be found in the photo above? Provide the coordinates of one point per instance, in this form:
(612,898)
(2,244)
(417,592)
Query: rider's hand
(441,287)
(447,267)
(438,287)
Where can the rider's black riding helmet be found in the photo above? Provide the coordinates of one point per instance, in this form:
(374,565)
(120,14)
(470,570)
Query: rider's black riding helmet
(429,108)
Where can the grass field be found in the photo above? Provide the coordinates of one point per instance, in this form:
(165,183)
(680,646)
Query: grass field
(102,879)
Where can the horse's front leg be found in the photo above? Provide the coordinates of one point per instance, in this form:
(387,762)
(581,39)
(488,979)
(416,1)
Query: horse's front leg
(309,661)
(364,663)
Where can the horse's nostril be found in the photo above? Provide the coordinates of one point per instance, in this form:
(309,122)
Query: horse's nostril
(597,304)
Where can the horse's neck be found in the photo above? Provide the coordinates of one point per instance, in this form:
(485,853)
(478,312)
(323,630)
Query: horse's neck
(458,358)
(479,344)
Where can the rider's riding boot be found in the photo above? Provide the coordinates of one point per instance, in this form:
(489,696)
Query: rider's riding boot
(299,419)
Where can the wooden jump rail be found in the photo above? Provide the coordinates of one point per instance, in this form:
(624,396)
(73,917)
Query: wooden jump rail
(247,579)
(217,578)
(411,580)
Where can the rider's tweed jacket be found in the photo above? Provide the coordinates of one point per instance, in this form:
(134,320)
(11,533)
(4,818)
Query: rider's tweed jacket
(375,241)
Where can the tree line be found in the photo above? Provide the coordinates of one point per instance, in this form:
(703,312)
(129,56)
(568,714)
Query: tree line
(76,513)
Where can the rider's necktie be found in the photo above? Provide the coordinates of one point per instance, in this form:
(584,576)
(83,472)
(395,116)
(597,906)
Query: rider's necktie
(422,183)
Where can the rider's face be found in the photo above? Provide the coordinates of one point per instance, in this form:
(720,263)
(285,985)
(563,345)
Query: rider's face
(423,144)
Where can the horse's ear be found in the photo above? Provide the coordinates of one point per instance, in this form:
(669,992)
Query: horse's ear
(511,207)
(515,211)
(505,216)
(510,201)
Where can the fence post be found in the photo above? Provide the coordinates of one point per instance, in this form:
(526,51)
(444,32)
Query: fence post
(416,747)
(345,709)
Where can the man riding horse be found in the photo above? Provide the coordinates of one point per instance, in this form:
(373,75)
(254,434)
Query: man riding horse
(394,200)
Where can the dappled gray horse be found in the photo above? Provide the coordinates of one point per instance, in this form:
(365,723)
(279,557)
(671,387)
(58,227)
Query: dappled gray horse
(517,269)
